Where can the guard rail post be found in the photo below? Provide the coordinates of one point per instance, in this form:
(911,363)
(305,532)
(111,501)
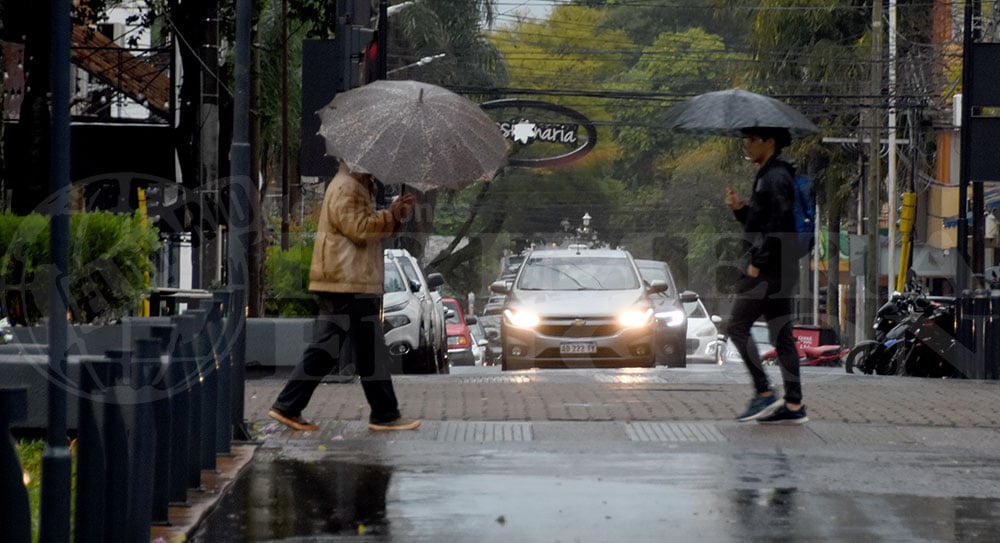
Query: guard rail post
(980,312)
(15,515)
(181,386)
(91,454)
(164,426)
(209,389)
(964,334)
(146,362)
(220,343)
(116,459)
(993,336)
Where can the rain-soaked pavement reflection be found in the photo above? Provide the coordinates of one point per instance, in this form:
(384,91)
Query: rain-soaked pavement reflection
(689,498)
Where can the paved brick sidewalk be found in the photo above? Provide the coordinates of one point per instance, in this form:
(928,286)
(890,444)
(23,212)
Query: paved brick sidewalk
(694,393)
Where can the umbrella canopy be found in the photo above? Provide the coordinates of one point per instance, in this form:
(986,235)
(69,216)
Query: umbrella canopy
(413,133)
(726,112)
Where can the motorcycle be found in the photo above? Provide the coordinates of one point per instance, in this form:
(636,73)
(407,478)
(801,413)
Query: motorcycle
(928,341)
(898,325)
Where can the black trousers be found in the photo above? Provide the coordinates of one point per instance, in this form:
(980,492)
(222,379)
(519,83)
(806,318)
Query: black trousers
(359,317)
(761,296)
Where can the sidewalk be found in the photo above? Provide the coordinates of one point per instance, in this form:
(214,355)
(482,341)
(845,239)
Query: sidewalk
(606,455)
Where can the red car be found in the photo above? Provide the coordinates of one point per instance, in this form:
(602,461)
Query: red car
(459,338)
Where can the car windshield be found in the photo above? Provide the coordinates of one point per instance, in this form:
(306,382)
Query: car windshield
(578,273)
(393,281)
(453,318)
(409,270)
(695,310)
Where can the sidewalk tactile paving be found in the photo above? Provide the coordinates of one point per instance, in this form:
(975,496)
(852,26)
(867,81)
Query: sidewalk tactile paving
(502,380)
(478,432)
(678,432)
(630,379)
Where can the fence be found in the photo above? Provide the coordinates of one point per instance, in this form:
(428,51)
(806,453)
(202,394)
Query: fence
(149,421)
(977,333)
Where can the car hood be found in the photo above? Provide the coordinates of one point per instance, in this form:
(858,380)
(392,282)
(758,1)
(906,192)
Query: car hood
(579,303)
(390,299)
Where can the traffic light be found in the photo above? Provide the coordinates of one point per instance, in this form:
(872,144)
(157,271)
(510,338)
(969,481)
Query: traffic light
(823,292)
(352,43)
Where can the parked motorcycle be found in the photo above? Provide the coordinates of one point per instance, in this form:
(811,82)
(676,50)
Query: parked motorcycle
(907,330)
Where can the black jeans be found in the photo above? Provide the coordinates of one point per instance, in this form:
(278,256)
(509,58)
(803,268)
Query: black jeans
(359,317)
(758,297)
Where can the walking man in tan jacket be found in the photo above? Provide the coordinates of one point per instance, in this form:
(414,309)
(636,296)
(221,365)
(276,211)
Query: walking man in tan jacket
(346,277)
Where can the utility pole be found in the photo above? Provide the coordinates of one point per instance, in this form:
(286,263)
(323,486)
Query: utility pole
(874,171)
(285,211)
(891,181)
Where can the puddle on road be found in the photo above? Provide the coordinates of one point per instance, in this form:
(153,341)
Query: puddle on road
(325,499)
(284,498)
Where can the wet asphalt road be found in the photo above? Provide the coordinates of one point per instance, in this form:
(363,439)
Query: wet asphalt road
(698,477)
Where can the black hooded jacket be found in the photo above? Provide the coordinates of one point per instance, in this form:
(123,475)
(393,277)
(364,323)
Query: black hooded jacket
(768,218)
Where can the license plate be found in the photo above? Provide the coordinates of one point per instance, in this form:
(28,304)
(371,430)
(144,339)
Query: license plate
(578,348)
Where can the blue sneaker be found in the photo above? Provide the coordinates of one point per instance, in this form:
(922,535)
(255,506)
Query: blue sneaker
(760,406)
(784,415)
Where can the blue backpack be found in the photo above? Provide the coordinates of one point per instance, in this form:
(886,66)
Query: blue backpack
(804,208)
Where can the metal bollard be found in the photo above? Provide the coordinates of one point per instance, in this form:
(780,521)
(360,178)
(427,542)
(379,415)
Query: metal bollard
(980,313)
(91,455)
(207,365)
(116,491)
(142,449)
(220,343)
(164,428)
(179,394)
(189,323)
(15,515)
(964,334)
(993,336)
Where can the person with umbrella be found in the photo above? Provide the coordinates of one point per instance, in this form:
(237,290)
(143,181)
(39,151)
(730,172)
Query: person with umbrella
(346,276)
(770,269)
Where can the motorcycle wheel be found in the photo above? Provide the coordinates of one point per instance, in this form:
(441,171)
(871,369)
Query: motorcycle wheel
(862,357)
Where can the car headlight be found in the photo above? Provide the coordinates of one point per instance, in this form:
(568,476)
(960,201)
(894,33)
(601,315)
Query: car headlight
(672,318)
(397,307)
(635,318)
(521,318)
(392,322)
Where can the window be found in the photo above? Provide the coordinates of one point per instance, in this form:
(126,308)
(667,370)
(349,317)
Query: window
(393,281)
(576,273)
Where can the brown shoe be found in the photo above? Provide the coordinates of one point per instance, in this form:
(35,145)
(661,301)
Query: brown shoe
(296,422)
(398,424)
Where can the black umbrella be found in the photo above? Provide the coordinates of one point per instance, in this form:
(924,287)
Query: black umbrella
(726,112)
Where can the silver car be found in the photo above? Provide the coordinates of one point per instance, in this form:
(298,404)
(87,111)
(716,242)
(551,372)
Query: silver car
(577,308)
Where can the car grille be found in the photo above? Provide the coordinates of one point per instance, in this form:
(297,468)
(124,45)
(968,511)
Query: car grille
(592,327)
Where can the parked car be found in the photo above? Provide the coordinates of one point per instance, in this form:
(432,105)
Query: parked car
(671,319)
(459,338)
(577,308)
(481,344)
(424,348)
(760,335)
(493,305)
(702,333)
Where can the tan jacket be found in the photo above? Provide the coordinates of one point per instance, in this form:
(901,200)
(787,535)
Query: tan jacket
(347,255)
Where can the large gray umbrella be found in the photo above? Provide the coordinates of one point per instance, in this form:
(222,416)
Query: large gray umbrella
(726,112)
(408,132)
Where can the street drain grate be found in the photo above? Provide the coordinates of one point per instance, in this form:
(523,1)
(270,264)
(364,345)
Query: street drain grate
(496,380)
(685,432)
(480,432)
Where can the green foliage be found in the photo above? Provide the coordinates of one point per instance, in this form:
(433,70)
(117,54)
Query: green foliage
(109,265)
(287,275)
(30,453)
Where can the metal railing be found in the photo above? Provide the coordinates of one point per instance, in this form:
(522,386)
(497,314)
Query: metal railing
(150,420)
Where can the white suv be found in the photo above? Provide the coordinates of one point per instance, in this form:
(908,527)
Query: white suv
(414,315)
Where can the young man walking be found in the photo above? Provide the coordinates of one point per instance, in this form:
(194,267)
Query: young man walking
(770,270)
(346,276)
